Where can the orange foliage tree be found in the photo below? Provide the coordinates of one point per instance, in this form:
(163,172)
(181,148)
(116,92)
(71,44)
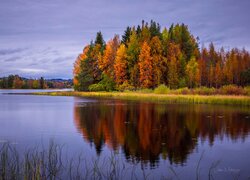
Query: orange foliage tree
(106,62)
(146,67)
(120,65)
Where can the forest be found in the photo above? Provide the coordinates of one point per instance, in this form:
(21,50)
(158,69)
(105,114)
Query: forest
(147,56)
(17,82)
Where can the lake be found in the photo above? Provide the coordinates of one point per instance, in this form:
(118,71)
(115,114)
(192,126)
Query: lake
(160,140)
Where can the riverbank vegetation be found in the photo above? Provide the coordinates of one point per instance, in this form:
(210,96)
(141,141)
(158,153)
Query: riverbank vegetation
(147,56)
(171,97)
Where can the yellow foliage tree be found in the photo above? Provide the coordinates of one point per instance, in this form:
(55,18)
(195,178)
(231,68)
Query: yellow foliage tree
(77,65)
(192,71)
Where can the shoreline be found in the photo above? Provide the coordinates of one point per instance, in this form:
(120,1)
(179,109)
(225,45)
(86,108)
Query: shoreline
(163,98)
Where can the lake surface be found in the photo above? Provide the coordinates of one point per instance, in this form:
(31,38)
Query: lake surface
(162,140)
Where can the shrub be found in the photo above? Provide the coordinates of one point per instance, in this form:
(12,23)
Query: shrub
(162,89)
(185,90)
(247,90)
(96,87)
(204,91)
(125,87)
(232,90)
(180,91)
(107,83)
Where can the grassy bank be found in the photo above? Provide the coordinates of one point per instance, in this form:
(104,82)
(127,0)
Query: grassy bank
(164,98)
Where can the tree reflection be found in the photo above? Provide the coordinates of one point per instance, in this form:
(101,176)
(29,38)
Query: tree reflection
(147,132)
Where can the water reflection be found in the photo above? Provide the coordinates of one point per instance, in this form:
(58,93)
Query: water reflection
(147,132)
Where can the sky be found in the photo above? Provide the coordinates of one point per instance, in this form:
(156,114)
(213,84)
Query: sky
(44,37)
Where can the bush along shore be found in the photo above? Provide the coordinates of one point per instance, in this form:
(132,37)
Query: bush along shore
(228,95)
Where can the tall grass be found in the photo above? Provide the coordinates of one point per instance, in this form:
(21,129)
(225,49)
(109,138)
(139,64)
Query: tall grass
(52,164)
(163,98)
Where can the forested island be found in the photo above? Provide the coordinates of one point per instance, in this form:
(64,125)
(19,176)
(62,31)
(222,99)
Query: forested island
(17,82)
(148,56)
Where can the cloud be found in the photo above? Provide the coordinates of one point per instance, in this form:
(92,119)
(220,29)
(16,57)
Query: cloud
(12,59)
(50,34)
(63,59)
(29,70)
(11,51)
(36,61)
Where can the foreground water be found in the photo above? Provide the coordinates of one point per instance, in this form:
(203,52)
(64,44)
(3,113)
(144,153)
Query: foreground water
(173,141)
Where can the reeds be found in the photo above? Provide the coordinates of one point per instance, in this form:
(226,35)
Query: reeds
(52,163)
(163,98)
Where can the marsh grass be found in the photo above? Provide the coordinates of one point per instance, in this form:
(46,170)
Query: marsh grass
(163,98)
(52,163)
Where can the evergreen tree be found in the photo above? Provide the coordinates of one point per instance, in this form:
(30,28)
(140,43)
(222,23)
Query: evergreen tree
(99,39)
(155,29)
(126,36)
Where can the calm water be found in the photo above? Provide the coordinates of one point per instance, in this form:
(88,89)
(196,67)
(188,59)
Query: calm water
(155,137)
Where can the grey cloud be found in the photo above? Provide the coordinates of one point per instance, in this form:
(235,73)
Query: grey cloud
(56,31)
(63,59)
(33,64)
(11,51)
(12,59)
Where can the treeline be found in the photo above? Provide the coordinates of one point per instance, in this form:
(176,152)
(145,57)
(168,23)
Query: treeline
(17,82)
(148,56)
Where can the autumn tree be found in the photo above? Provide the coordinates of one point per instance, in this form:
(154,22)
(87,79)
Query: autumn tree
(145,35)
(120,65)
(17,82)
(35,84)
(106,62)
(146,67)
(159,61)
(228,71)
(192,71)
(42,83)
(173,58)
(203,67)
(218,75)
(211,75)
(133,51)
(81,72)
